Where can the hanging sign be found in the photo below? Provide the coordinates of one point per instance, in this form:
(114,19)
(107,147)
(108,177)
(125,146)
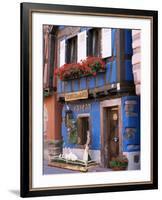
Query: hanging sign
(76,95)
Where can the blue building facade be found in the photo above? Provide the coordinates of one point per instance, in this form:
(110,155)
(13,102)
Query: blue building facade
(111,109)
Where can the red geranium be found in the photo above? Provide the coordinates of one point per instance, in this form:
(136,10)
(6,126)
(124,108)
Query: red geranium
(89,66)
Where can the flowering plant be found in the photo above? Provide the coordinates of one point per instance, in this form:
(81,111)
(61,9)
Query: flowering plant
(89,66)
(119,162)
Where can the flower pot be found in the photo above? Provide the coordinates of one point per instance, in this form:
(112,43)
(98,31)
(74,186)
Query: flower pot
(118,168)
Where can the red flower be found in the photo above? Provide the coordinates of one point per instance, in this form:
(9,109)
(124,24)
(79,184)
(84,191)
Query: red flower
(89,66)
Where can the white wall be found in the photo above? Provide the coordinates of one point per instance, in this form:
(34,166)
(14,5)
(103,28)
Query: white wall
(9,101)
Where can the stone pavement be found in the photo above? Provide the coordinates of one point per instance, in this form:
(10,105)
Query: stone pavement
(55,170)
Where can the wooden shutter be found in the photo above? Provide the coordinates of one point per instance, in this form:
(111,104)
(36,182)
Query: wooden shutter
(82,45)
(106,46)
(62,52)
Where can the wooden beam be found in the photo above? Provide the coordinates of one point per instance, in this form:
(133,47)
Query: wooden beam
(71,167)
(109,89)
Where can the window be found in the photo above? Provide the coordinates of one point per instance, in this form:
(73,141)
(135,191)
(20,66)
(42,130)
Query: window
(91,42)
(83,127)
(99,42)
(71,51)
(94,42)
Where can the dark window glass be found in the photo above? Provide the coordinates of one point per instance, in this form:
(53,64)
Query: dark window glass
(71,51)
(83,127)
(93,42)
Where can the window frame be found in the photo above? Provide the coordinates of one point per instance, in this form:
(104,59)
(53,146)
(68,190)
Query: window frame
(90,47)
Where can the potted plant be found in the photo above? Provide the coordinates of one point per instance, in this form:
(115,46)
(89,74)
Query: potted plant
(119,163)
(96,64)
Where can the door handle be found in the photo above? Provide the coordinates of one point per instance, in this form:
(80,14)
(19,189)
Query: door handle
(116,139)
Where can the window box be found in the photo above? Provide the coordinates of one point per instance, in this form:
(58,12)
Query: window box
(88,67)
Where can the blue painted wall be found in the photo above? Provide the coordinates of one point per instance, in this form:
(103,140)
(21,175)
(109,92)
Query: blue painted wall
(59,85)
(130,116)
(131,120)
(113,41)
(94,111)
(128,41)
(100,80)
(68,86)
(83,83)
(128,70)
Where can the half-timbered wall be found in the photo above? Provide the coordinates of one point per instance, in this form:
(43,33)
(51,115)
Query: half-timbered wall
(115,49)
(92,110)
(130,127)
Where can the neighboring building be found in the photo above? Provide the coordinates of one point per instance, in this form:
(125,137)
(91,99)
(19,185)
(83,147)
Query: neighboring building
(136,59)
(52,108)
(104,104)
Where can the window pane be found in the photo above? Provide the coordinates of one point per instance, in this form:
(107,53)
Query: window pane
(71,52)
(93,42)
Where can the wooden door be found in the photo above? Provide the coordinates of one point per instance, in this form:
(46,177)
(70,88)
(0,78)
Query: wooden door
(113,133)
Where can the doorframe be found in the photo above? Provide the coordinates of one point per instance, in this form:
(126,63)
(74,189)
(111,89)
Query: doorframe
(103,106)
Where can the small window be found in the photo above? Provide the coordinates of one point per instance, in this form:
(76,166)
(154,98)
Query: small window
(83,127)
(71,51)
(94,42)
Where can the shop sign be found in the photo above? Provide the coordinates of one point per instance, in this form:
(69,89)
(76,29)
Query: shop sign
(76,95)
(82,107)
